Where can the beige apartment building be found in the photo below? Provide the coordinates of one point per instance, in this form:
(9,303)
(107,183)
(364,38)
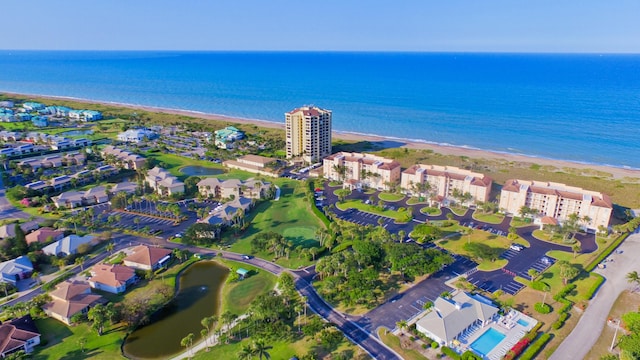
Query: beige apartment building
(557,201)
(444,180)
(358,170)
(308,131)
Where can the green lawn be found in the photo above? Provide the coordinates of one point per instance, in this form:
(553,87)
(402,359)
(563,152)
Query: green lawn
(237,296)
(389,197)
(458,210)
(456,244)
(62,342)
(489,218)
(415,201)
(291,216)
(175,162)
(394,342)
(357,204)
(518,222)
(431,211)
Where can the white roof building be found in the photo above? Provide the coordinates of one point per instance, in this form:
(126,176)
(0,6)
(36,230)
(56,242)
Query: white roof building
(67,246)
(137,135)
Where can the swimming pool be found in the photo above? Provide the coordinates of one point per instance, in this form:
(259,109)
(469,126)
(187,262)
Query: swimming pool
(522,322)
(487,341)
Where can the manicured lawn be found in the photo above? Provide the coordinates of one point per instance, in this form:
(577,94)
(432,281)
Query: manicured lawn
(458,210)
(489,218)
(335,183)
(583,282)
(518,222)
(291,216)
(415,201)
(456,244)
(389,197)
(62,342)
(237,174)
(357,204)
(281,350)
(394,342)
(175,162)
(431,211)
(237,296)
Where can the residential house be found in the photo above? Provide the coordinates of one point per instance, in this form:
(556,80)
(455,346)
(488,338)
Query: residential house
(225,138)
(112,278)
(358,170)
(34,164)
(127,159)
(82,142)
(43,235)
(255,164)
(9,230)
(146,257)
(445,181)
(17,269)
(60,182)
(60,144)
(10,136)
(37,185)
(105,171)
(6,103)
(67,245)
(75,114)
(227,213)
(51,161)
(557,201)
(163,182)
(75,158)
(450,318)
(25,149)
(125,186)
(8,152)
(40,121)
(233,188)
(23,117)
(58,111)
(18,334)
(96,195)
(91,115)
(137,135)
(73,199)
(70,298)
(32,106)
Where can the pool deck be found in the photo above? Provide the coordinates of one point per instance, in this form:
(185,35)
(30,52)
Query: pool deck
(507,325)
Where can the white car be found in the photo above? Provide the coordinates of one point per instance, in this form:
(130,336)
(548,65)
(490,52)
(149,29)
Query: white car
(516,247)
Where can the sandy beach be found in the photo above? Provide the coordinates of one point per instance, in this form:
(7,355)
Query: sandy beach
(380,141)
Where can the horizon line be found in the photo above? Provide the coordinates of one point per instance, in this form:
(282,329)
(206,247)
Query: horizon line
(338,51)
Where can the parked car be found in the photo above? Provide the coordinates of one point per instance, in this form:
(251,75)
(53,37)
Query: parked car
(516,247)
(246,257)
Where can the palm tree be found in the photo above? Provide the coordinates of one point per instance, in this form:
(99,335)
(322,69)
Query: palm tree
(576,249)
(187,341)
(80,261)
(246,353)
(110,246)
(633,277)
(4,287)
(533,273)
(402,324)
(207,323)
(260,348)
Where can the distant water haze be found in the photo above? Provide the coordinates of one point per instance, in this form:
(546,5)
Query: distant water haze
(583,108)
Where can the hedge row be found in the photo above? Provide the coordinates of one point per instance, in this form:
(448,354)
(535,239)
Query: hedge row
(533,332)
(564,292)
(450,353)
(342,246)
(599,280)
(535,347)
(567,304)
(517,349)
(607,251)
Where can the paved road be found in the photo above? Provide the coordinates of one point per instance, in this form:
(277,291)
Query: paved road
(587,331)
(8,211)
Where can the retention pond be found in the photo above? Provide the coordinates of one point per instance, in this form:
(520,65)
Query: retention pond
(197,297)
(200,170)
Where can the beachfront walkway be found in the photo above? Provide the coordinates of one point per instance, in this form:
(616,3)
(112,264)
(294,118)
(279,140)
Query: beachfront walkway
(211,341)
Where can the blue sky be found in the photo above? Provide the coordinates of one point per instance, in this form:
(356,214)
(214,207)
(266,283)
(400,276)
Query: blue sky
(342,25)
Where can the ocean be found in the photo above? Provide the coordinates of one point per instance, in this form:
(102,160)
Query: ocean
(583,108)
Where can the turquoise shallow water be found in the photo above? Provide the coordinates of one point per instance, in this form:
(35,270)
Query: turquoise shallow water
(574,107)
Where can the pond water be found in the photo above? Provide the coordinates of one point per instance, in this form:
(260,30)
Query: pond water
(76,133)
(200,170)
(198,297)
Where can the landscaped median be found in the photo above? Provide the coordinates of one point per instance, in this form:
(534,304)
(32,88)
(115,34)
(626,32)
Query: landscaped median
(400,216)
(481,246)
(390,197)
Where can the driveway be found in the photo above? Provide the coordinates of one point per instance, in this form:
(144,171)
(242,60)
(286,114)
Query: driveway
(587,331)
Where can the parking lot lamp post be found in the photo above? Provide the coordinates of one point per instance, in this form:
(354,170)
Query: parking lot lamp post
(613,342)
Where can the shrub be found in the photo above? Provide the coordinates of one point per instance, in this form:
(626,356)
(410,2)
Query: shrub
(542,308)
(517,349)
(564,292)
(599,280)
(468,355)
(450,353)
(535,347)
(539,285)
(434,345)
(424,346)
(561,320)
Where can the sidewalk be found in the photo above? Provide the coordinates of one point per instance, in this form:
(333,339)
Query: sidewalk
(212,341)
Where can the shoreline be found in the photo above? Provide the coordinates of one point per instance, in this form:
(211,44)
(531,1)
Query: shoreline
(381,142)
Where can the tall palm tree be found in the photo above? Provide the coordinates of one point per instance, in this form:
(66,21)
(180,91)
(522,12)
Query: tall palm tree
(187,342)
(261,349)
(207,323)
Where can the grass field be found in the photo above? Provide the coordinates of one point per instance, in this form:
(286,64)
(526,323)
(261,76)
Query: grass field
(237,296)
(518,222)
(282,350)
(489,218)
(626,302)
(456,244)
(389,197)
(175,162)
(431,211)
(394,342)
(415,201)
(291,217)
(63,342)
